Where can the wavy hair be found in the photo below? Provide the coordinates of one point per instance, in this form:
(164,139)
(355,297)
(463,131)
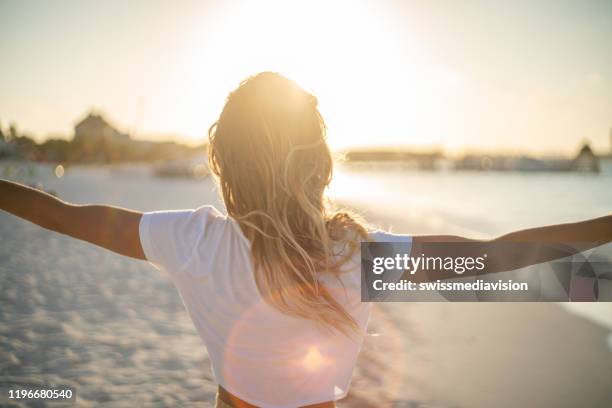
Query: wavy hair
(269,153)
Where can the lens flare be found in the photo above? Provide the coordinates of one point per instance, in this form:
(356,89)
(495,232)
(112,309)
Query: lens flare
(59,171)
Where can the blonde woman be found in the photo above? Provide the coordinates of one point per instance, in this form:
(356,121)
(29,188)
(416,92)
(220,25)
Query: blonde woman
(273,287)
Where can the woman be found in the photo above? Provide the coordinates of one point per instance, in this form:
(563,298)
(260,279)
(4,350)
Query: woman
(273,288)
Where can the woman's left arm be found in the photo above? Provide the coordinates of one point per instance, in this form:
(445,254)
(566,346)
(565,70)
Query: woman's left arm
(518,249)
(113,228)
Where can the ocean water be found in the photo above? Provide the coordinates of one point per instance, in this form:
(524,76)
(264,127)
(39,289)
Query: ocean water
(470,203)
(481,204)
(484,204)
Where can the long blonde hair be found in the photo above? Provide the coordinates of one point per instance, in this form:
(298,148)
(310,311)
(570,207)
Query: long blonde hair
(269,153)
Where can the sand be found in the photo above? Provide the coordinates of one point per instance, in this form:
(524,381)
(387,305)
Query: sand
(115,328)
(485,354)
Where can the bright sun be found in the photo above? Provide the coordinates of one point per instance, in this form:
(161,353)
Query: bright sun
(349,54)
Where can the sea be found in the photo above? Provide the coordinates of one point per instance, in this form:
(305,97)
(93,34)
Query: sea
(479,204)
(482,204)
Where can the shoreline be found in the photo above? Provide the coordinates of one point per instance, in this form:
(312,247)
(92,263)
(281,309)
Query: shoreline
(488,354)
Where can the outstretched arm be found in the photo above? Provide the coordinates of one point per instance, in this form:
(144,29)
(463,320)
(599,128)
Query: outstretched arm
(518,249)
(110,227)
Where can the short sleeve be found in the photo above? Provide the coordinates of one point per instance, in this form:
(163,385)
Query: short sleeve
(400,244)
(169,238)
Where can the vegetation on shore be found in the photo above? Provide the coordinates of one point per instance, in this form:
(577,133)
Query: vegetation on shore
(16,145)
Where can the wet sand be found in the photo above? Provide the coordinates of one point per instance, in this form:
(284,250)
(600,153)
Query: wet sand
(115,328)
(484,354)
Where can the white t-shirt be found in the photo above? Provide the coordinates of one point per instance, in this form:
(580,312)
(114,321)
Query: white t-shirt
(257,353)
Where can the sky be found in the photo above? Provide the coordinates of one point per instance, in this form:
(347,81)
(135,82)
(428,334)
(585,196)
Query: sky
(521,76)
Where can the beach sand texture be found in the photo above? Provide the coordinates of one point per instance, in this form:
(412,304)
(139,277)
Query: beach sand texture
(115,328)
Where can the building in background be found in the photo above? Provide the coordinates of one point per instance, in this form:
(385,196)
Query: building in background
(95,128)
(97,140)
(586,160)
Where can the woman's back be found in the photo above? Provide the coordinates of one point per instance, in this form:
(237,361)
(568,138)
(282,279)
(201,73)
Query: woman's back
(258,353)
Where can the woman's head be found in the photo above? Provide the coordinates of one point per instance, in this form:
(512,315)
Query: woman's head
(268,150)
(268,146)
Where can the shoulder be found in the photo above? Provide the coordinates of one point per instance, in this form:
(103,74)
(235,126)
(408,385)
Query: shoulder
(169,238)
(205,223)
(213,223)
(182,223)
(376,235)
(208,214)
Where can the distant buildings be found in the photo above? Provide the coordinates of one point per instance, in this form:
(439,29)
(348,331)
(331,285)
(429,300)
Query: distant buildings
(97,140)
(94,129)
(421,160)
(585,161)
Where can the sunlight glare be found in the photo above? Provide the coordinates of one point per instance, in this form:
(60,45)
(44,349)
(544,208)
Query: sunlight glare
(314,360)
(349,54)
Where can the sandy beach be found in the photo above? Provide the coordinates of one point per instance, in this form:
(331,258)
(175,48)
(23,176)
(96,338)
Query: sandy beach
(115,328)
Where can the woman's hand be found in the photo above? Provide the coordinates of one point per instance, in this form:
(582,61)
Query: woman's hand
(110,227)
